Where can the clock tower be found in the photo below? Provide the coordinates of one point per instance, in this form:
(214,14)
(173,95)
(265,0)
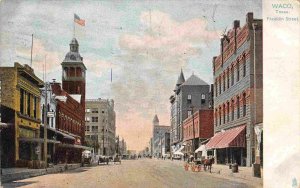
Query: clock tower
(73,73)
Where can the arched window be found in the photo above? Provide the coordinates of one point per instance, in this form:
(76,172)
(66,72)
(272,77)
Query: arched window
(238,71)
(224,108)
(232,110)
(216,118)
(228,111)
(227,78)
(220,82)
(238,106)
(216,86)
(232,76)
(224,85)
(244,65)
(244,104)
(220,116)
(65,74)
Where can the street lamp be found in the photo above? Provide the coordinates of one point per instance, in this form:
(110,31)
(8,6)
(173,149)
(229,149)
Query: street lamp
(194,141)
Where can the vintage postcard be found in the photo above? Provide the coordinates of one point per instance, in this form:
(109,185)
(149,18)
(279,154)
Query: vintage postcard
(162,93)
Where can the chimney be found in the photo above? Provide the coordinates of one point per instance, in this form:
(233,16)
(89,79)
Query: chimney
(249,18)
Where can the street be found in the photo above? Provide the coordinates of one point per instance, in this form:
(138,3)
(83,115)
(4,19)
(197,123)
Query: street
(131,173)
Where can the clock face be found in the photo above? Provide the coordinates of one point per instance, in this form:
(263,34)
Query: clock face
(72,57)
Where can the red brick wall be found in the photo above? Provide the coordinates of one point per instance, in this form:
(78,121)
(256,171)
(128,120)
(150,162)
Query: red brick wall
(206,123)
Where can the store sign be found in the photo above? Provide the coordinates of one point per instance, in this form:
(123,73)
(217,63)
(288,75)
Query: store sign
(50,114)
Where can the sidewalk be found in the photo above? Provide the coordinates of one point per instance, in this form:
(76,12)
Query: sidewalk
(244,173)
(13,174)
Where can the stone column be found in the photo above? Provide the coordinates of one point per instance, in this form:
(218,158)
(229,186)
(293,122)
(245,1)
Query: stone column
(258,131)
(256,166)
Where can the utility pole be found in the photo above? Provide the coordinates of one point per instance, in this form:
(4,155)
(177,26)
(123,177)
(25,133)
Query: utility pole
(45,118)
(194,141)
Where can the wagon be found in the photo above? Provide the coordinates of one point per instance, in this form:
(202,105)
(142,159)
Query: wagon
(117,159)
(86,157)
(103,159)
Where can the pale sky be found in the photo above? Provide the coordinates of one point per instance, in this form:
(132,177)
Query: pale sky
(146,43)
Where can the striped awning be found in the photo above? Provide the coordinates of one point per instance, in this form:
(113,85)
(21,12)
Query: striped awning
(234,137)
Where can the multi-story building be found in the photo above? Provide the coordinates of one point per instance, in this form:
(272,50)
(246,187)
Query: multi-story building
(70,107)
(166,148)
(158,135)
(100,125)
(20,109)
(197,128)
(238,95)
(122,147)
(191,94)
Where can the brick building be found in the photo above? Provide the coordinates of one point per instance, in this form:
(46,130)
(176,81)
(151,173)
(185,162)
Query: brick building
(20,109)
(70,109)
(202,123)
(190,94)
(238,94)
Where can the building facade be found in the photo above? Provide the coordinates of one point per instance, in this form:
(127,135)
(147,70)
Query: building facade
(50,105)
(238,94)
(100,125)
(158,135)
(20,109)
(198,127)
(189,95)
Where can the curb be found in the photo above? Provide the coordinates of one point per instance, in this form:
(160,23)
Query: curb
(38,172)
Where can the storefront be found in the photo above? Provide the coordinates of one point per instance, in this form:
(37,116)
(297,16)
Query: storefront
(229,146)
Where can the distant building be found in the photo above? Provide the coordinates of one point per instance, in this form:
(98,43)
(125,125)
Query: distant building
(189,95)
(158,136)
(100,125)
(20,109)
(238,95)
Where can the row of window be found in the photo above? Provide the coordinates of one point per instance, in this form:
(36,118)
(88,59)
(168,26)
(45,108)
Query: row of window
(94,120)
(28,102)
(189,132)
(229,77)
(94,128)
(189,99)
(94,110)
(70,126)
(221,113)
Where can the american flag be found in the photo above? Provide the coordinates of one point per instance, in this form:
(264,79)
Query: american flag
(78,20)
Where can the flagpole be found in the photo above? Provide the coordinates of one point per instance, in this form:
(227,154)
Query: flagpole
(74,26)
(31,50)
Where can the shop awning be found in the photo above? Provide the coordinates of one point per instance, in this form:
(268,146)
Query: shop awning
(234,137)
(201,148)
(39,140)
(214,140)
(65,135)
(75,146)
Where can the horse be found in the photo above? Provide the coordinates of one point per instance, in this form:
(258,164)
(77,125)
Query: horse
(208,163)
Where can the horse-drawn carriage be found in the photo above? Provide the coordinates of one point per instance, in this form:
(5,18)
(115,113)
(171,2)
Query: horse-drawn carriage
(86,157)
(117,159)
(197,163)
(103,159)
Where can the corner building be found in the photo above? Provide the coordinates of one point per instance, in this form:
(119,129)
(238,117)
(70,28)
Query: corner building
(238,95)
